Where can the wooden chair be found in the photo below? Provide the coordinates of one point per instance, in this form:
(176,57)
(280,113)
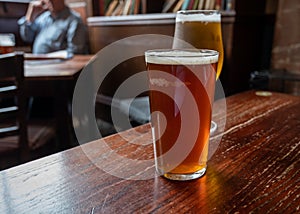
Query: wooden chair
(20,140)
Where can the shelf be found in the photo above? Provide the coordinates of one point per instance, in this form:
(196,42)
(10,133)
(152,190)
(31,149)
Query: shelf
(138,19)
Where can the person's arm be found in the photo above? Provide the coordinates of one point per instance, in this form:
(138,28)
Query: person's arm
(77,38)
(27,30)
(35,9)
(28,27)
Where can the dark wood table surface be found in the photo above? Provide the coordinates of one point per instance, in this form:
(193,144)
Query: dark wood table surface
(56,79)
(55,69)
(256,168)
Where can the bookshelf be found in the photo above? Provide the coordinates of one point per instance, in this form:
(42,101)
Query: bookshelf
(175,5)
(131,7)
(126,7)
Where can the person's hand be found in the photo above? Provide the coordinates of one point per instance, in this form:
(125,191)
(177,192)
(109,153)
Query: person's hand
(35,8)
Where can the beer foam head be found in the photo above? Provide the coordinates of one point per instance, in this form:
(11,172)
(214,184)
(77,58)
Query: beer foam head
(198,15)
(181,57)
(6,40)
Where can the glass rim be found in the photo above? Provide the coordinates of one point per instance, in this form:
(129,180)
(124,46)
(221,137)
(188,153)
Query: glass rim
(193,52)
(198,15)
(181,56)
(206,12)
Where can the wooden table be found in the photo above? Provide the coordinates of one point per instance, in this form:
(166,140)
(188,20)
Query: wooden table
(256,168)
(55,69)
(56,79)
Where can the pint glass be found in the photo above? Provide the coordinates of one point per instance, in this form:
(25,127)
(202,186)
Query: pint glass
(182,84)
(201,29)
(7,43)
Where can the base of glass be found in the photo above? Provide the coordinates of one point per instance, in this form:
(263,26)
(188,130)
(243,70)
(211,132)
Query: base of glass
(185,177)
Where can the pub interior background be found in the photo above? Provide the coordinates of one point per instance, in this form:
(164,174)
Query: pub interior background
(261,38)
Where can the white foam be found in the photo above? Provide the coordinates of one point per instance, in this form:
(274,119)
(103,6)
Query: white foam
(183,16)
(180,57)
(6,41)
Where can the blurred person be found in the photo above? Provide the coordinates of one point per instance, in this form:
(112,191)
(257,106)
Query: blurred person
(52,26)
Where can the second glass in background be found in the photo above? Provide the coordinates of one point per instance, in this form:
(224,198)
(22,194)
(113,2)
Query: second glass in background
(7,43)
(201,29)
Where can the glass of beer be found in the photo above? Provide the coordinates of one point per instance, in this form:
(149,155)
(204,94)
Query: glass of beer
(200,29)
(182,86)
(7,43)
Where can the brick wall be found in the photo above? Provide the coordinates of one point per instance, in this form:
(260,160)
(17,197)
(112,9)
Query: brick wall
(286,46)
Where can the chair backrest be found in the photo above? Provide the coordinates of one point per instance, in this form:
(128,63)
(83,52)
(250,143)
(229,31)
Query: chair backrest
(13,109)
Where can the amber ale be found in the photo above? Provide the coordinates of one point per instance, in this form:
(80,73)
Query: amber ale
(201,29)
(7,43)
(182,84)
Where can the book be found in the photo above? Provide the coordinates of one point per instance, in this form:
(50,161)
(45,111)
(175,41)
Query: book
(119,9)
(126,8)
(195,6)
(200,5)
(137,6)
(169,4)
(207,5)
(185,4)
(218,5)
(191,4)
(178,6)
(132,6)
(143,6)
(101,7)
(212,4)
(112,6)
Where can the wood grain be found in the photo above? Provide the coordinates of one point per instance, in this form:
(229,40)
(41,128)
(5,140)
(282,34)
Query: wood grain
(256,168)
